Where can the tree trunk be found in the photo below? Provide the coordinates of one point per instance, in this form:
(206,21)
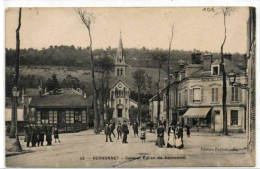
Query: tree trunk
(168,93)
(17,63)
(106,96)
(159,100)
(224,97)
(96,114)
(139,113)
(101,110)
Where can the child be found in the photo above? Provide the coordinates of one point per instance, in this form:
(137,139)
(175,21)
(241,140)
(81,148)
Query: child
(143,135)
(56,134)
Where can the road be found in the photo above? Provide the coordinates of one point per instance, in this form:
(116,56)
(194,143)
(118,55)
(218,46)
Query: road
(85,149)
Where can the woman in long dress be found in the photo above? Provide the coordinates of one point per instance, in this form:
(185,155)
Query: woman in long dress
(171,137)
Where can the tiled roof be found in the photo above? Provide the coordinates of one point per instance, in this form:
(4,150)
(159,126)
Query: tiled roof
(61,101)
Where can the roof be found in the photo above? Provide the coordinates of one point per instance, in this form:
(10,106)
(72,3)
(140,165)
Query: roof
(61,101)
(228,67)
(197,112)
(65,91)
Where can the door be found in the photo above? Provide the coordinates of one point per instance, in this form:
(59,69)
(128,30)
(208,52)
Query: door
(119,113)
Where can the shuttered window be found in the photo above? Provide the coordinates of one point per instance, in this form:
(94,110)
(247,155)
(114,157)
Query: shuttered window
(51,116)
(55,116)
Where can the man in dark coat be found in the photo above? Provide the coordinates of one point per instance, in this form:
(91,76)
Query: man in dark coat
(125,132)
(28,135)
(135,128)
(113,126)
(108,133)
(40,135)
(160,136)
(34,136)
(48,135)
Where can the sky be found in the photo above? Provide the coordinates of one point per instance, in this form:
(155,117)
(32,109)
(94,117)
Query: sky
(148,27)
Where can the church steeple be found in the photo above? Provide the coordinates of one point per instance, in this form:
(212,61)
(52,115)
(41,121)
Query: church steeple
(120,59)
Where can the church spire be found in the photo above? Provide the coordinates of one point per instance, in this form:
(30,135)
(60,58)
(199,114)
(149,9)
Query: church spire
(120,59)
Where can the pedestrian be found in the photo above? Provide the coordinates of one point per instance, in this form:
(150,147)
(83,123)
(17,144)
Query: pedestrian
(113,126)
(187,130)
(164,125)
(171,137)
(160,136)
(34,136)
(125,132)
(48,135)
(119,130)
(179,139)
(40,136)
(135,128)
(56,134)
(108,133)
(143,134)
(28,135)
(151,126)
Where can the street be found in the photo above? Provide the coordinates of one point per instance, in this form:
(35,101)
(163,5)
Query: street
(84,149)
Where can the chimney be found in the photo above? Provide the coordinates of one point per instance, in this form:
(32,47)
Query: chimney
(207,60)
(228,56)
(196,57)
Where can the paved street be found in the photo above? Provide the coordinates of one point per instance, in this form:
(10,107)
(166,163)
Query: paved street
(84,149)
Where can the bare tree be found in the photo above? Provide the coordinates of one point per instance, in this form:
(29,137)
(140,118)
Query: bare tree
(159,57)
(87,19)
(139,81)
(168,81)
(225,11)
(105,64)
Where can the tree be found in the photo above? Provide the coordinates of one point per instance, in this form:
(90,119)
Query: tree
(53,83)
(225,11)
(87,19)
(168,81)
(105,64)
(139,82)
(149,81)
(159,57)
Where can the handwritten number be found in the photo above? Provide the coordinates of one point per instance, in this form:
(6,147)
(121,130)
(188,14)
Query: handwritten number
(208,9)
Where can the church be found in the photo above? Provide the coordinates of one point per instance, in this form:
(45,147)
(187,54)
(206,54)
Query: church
(120,91)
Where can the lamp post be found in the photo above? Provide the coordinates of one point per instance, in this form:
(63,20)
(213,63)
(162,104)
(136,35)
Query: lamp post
(232,82)
(16,146)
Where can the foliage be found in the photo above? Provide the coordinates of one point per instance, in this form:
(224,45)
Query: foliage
(52,83)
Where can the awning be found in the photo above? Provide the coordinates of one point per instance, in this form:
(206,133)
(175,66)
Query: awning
(197,112)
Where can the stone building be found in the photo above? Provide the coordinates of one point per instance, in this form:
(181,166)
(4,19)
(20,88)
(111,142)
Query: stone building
(196,95)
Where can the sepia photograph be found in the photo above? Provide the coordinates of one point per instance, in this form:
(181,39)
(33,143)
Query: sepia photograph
(130,87)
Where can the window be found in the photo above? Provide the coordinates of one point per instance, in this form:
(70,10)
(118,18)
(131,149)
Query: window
(78,117)
(185,97)
(179,98)
(234,117)
(38,117)
(119,112)
(234,94)
(84,117)
(215,70)
(196,95)
(45,117)
(214,95)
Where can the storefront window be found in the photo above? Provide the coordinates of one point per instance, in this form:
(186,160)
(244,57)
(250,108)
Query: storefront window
(45,117)
(84,118)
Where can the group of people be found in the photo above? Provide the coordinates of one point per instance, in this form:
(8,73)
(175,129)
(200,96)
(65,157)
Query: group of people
(175,133)
(34,135)
(175,136)
(121,129)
